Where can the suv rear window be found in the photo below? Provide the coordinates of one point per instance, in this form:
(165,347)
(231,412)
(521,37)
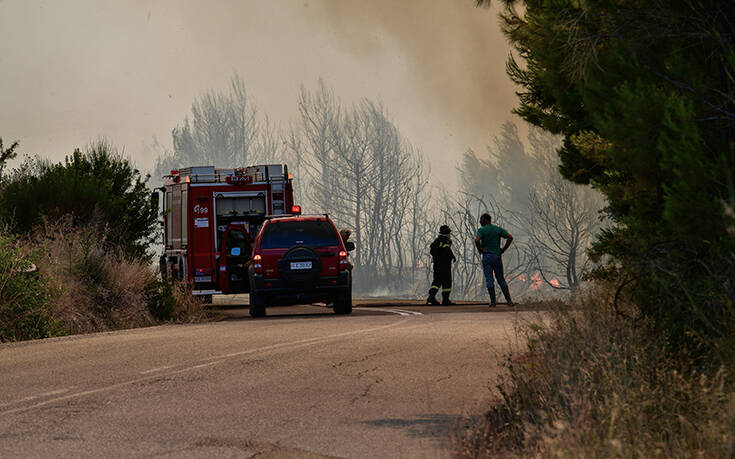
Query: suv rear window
(283,235)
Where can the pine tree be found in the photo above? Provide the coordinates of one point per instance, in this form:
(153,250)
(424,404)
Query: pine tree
(643,93)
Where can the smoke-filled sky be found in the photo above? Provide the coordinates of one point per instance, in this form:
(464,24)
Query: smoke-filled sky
(128,70)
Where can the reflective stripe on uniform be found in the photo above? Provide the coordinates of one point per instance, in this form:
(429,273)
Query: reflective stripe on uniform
(446,290)
(434,287)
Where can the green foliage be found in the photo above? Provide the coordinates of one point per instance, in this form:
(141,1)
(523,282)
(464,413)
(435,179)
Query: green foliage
(97,187)
(644,94)
(161,300)
(6,154)
(26,298)
(173,302)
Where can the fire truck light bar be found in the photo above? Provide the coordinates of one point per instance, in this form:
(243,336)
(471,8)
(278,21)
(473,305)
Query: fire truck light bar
(239,179)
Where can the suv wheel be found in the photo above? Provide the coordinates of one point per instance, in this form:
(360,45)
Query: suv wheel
(343,302)
(257,305)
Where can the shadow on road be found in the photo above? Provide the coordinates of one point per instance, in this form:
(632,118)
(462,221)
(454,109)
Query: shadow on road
(438,426)
(242,313)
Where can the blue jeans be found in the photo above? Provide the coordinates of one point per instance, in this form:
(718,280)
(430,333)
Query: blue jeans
(492,263)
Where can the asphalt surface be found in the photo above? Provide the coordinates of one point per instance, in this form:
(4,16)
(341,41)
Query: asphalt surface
(394,379)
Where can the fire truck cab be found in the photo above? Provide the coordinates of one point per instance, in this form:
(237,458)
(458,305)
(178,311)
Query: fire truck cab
(210,218)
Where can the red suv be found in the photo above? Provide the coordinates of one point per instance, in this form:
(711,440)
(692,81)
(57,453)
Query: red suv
(300,259)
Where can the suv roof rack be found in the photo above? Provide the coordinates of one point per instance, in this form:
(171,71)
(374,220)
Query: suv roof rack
(295,215)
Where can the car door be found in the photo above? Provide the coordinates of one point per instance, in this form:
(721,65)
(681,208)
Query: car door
(234,260)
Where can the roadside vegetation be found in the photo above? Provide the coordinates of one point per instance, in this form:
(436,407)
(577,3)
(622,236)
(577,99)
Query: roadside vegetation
(643,365)
(589,383)
(74,249)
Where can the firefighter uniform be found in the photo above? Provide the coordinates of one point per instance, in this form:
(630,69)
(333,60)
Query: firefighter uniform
(442,256)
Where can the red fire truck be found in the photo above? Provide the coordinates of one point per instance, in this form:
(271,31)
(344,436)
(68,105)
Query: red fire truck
(210,217)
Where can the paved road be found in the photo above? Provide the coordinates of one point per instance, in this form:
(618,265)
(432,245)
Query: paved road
(391,380)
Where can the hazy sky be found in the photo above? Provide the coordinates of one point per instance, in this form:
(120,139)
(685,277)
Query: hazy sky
(74,70)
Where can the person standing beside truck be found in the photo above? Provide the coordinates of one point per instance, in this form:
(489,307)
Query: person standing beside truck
(488,244)
(345,234)
(442,256)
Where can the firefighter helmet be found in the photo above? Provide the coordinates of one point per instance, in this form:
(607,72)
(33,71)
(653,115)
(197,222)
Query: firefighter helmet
(444,229)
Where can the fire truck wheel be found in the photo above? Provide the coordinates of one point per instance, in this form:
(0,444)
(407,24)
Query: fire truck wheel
(343,302)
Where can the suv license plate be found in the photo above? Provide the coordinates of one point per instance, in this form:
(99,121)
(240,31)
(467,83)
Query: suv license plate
(301,265)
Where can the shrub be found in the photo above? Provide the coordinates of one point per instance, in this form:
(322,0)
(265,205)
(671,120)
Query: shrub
(97,187)
(100,288)
(590,383)
(174,302)
(26,298)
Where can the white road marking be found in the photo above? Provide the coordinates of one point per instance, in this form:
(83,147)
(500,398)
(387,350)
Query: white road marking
(400,312)
(415,313)
(207,362)
(33,397)
(202,365)
(54,392)
(153,370)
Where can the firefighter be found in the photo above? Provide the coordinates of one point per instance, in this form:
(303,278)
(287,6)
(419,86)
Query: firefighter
(442,256)
(345,234)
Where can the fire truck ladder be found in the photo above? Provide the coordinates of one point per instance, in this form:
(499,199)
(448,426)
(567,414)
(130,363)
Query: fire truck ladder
(277,185)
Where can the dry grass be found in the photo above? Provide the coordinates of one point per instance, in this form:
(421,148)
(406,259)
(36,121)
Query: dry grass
(591,384)
(98,288)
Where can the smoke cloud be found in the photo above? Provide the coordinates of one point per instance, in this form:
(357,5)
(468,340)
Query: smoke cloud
(75,70)
(454,52)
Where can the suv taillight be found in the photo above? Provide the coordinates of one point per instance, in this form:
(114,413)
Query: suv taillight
(343,263)
(258,263)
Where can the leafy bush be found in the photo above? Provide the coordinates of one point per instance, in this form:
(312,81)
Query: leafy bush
(97,187)
(590,384)
(173,302)
(26,298)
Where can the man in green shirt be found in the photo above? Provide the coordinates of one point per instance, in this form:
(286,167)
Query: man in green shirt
(488,244)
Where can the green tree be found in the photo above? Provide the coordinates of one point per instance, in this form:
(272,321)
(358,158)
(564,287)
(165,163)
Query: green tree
(643,93)
(97,187)
(6,154)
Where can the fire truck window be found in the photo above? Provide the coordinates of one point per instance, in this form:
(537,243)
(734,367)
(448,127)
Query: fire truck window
(184,215)
(285,235)
(237,243)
